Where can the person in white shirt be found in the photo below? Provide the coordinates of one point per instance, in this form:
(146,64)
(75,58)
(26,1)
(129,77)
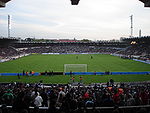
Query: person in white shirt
(38,100)
(60,97)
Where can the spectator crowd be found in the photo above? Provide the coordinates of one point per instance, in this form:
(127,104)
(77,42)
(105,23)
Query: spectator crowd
(132,50)
(71,99)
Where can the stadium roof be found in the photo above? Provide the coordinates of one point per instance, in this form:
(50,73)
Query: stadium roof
(74,2)
(146,3)
(3,3)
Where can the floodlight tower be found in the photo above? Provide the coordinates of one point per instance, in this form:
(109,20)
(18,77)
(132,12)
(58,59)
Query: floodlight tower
(9,26)
(131,17)
(140,33)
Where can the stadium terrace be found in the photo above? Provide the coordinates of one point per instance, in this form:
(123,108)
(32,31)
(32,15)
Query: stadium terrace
(75,76)
(137,46)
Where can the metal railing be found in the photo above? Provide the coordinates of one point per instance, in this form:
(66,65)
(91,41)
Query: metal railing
(98,108)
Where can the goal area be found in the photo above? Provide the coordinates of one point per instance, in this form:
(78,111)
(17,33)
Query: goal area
(75,68)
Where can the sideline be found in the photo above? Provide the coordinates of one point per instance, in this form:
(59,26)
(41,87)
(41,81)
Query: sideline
(147,62)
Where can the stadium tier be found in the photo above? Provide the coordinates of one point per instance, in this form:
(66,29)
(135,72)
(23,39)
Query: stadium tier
(65,98)
(139,46)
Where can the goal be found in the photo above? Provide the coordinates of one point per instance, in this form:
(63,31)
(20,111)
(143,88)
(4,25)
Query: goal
(75,68)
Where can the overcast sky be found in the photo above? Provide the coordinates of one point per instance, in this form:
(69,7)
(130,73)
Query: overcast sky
(91,19)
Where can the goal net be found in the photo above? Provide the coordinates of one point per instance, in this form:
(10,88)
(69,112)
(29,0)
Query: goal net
(75,68)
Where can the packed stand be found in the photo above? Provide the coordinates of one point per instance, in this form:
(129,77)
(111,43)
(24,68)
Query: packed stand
(137,50)
(73,99)
(141,51)
(6,52)
(71,49)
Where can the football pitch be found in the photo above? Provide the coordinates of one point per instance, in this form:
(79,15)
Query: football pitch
(98,63)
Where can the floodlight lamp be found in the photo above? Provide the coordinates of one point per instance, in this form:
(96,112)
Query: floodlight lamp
(133,42)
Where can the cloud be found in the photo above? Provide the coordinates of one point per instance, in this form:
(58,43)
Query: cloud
(98,19)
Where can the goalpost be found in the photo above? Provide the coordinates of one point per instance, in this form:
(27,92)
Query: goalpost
(75,68)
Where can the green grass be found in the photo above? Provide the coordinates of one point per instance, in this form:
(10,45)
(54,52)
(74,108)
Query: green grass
(99,63)
(87,79)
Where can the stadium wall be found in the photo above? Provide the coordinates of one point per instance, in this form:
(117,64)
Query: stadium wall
(16,74)
(82,73)
(108,73)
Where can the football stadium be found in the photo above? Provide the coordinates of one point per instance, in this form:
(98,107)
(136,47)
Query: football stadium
(96,62)
(46,75)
